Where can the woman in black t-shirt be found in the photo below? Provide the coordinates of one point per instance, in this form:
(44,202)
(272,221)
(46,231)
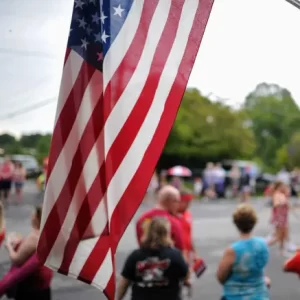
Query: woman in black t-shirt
(156,271)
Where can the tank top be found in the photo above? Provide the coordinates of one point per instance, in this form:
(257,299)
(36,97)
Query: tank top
(247,277)
(6,170)
(19,175)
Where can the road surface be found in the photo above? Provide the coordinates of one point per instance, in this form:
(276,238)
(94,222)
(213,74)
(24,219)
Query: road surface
(213,231)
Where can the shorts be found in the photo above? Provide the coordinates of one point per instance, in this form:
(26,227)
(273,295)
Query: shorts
(19,184)
(246,189)
(235,181)
(5,185)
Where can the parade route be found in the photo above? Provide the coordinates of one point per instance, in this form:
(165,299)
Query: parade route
(213,231)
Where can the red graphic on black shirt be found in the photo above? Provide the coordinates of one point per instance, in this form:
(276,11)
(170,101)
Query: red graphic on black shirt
(152,271)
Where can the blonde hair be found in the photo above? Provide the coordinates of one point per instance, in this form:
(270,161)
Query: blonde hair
(158,234)
(2,219)
(245,218)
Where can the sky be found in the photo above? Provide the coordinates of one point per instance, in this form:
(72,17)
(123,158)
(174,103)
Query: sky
(246,42)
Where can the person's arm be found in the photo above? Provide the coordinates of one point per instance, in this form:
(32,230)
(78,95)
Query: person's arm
(267,281)
(181,266)
(127,275)
(225,265)
(122,288)
(12,171)
(194,252)
(26,249)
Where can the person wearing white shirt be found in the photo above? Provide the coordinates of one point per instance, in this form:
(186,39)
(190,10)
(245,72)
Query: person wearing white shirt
(284,176)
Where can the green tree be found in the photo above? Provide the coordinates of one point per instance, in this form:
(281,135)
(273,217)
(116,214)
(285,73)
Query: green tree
(6,139)
(293,151)
(43,147)
(275,116)
(30,140)
(282,157)
(209,130)
(9,144)
(13,148)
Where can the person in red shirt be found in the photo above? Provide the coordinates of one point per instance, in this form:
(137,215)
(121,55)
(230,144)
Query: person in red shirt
(6,177)
(292,265)
(186,220)
(167,206)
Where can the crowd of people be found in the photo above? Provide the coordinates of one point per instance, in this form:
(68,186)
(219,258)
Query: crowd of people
(166,262)
(240,180)
(214,182)
(12,174)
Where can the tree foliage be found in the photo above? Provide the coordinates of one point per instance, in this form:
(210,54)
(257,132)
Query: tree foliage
(6,139)
(289,154)
(35,144)
(43,147)
(210,130)
(275,116)
(30,140)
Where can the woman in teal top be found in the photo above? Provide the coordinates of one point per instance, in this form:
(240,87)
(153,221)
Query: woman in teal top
(241,269)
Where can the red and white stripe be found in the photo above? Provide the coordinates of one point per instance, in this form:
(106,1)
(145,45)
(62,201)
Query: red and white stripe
(103,153)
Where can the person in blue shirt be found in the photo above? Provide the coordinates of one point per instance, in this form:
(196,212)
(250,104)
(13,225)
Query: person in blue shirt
(241,269)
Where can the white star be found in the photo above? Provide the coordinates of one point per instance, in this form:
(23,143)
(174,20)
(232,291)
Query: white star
(103,17)
(84,43)
(95,18)
(104,36)
(92,1)
(82,23)
(79,3)
(118,11)
(97,37)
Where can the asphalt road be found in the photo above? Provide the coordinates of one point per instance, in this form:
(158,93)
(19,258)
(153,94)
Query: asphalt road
(213,231)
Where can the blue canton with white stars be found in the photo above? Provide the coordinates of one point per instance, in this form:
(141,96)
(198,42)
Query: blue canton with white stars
(95,25)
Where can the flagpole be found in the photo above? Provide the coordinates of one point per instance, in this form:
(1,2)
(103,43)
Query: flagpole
(296,3)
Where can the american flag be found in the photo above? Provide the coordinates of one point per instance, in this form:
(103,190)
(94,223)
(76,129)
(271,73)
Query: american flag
(126,68)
